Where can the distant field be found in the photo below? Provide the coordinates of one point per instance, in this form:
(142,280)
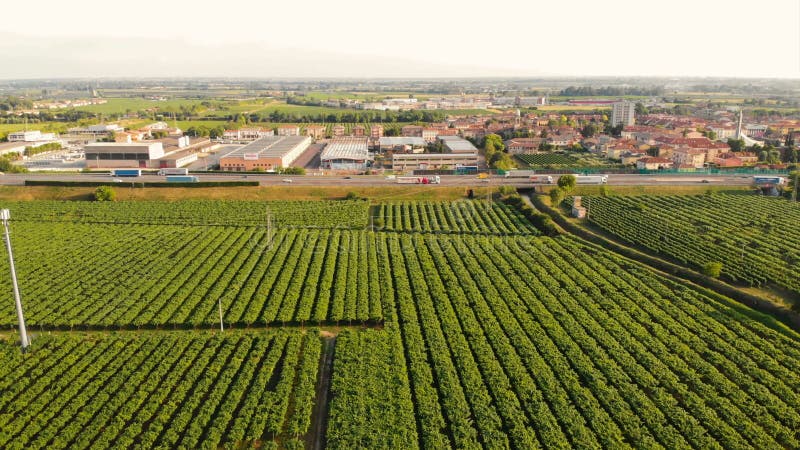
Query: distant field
(56,127)
(123,105)
(572,107)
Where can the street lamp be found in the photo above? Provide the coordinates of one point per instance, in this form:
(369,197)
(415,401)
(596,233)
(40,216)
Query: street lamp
(5,215)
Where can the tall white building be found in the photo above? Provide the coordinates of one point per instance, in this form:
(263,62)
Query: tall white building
(623,113)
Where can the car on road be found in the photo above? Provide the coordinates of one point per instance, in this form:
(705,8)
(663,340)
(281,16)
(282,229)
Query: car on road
(704,181)
(348,178)
(117,180)
(287,180)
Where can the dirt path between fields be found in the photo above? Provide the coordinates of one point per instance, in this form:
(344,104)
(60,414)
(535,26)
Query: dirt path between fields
(319,426)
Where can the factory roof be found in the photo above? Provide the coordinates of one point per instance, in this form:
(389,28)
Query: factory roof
(402,140)
(457,145)
(122,147)
(346,148)
(269,147)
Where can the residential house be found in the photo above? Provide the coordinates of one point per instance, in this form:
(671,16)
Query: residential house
(523,145)
(654,163)
(315,131)
(288,130)
(689,157)
(411,131)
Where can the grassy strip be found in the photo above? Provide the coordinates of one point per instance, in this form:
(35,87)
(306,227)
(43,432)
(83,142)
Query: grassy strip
(181,192)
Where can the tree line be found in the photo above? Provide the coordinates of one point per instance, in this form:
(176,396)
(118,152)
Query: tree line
(589,91)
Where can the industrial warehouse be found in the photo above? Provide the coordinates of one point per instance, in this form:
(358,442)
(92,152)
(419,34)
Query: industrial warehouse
(429,161)
(347,153)
(162,153)
(267,153)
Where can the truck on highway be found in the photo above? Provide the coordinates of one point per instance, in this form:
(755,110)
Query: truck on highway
(591,179)
(775,181)
(516,173)
(434,179)
(541,179)
(182,179)
(173,171)
(127,172)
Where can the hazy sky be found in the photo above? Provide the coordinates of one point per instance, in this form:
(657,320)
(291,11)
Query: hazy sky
(410,38)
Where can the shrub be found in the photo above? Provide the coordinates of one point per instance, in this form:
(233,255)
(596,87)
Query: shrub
(294,171)
(556,196)
(105,194)
(506,190)
(712,269)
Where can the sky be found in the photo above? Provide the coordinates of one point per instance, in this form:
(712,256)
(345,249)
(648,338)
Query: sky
(412,38)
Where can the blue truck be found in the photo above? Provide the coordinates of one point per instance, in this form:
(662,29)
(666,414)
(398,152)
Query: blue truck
(182,179)
(127,172)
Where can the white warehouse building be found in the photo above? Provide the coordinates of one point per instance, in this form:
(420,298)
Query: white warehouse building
(346,154)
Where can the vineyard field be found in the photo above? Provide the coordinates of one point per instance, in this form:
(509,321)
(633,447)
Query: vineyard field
(436,324)
(541,159)
(285,214)
(548,343)
(565,160)
(757,239)
(460,217)
(159,390)
(144,275)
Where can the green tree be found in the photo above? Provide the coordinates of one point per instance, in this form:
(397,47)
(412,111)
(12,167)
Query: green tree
(589,130)
(794,177)
(567,182)
(105,194)
(496,142)
(736,145)
(712,269)
(556,196)
(501,160)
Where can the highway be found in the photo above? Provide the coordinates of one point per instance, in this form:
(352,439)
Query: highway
(373,180)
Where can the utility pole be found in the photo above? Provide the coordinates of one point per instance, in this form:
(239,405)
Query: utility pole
(794,189)
(221,327)
(269,228)
(5,215)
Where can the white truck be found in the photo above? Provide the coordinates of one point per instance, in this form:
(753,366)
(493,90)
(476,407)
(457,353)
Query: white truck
(541,179)
(173,171)
(591,179)
(516,173)
(433,179)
